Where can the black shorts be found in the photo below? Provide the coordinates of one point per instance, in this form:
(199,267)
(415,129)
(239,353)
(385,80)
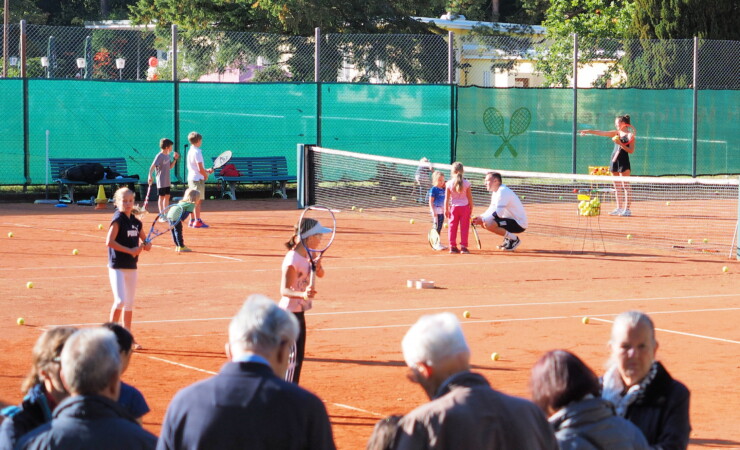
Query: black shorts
(164,191)
(510,225)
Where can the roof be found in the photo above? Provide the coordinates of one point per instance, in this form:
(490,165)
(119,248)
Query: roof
(452,22)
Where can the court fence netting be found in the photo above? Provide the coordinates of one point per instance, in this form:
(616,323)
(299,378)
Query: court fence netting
(682,214)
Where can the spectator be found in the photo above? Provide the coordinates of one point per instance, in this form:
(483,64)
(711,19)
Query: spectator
(641,389)
(42,387)
(568,391)
(130,399)
(464,411)
(90,418)
(247,405)
(384,433)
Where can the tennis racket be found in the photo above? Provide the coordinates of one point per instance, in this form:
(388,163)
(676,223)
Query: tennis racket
(220,160)
(434,240)
(165,221)
(475,234)
(146,199)
(316,220)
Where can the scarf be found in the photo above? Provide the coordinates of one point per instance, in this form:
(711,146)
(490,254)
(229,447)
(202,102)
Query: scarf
(613,387)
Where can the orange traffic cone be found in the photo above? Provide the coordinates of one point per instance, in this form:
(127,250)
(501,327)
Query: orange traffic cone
(102,201)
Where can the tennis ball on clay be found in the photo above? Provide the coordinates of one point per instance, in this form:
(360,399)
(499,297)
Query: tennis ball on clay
(100,226)
(393,198)
(75,252)
(29,285)
(412,221)
(706,241)
(354,208)
(629,236)
(495,356)
(360,210)
(690,241)
(466,314)
(21,321)
(10,234)
(585,320)
(560,198)
(725,269)
(668,203)
(444,225)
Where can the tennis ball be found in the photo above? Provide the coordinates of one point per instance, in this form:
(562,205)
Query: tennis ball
(629,236)
(585,320)
(75,252)
(495,356)
(466,314)
(393,198)
(354,208)
(10,234)
(668,203)
(100,226)
(706,241)
(212,197)
(29,285)
(560,198)
(725,269)
(412,221)
(444,225)
(21,321)
(690,241)
(360,210)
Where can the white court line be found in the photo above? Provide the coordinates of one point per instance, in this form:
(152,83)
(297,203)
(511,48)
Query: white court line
(437,308)
(407,325)
(210,372)
(683,333)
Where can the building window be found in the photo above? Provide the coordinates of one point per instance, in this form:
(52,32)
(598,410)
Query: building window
(521,82)
(487,78)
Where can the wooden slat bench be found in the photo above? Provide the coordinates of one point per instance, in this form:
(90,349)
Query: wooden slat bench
(271,170)
(57,166)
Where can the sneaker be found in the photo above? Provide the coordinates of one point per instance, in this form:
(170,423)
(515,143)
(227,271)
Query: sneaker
(191,224)
(513,243)
(440,247)
(626,213)
(454,250)
(503,244)
(464,250)
(183,249)
(616,212)
(200,224)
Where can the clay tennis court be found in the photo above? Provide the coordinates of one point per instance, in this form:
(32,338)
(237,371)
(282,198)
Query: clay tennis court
(522,304)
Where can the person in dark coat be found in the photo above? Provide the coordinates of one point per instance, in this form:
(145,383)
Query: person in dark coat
(641,389)
(568,392)
(464,412)
(42,387)
(90,418)
(248,404)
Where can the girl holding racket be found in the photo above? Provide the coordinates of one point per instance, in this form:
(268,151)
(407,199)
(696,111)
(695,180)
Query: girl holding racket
(126,239)
(624,144)
(295,288)
(458,206)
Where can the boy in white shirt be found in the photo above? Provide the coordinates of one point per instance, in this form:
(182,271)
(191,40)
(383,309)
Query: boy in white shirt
(197,176)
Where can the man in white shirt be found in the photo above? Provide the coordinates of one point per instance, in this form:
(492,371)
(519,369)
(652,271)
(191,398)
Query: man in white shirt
(506,216)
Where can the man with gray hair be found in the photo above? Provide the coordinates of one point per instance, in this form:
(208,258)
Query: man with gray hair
(248,404)
(90,418)
(464,411)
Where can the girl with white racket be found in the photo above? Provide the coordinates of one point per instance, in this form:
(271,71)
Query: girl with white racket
(301,265)
(624,144)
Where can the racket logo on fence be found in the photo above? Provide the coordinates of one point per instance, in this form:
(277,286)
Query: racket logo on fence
(518,124)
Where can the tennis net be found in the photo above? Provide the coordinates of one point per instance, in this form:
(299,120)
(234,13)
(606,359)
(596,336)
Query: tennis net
(676,213)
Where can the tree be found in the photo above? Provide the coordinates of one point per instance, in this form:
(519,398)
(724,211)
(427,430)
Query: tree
(598,23)
(25,10)
(684,19)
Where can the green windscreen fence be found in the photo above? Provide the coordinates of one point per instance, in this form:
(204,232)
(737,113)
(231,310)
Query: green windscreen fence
(508,129)
(404,121)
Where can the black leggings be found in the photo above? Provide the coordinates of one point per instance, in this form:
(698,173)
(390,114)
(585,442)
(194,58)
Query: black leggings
(300,346)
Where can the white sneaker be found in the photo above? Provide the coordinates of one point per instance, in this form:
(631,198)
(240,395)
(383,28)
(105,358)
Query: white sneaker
(626,213)
(440,247)
(616,212)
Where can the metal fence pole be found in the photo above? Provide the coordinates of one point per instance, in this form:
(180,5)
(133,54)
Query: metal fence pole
(317,80)
(6,15)
(453,87)
(23,49)
(24,79)
(575,103)
(695,107)
(176,103)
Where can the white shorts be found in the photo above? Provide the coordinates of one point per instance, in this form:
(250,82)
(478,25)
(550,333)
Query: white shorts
(123,284)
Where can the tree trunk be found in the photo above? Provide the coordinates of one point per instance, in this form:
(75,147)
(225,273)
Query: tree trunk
(495,14)
(104,9)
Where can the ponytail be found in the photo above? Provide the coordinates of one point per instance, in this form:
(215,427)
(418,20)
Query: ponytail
(624,119)
(457,176)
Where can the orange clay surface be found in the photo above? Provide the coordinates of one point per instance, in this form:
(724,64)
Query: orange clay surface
(522,304)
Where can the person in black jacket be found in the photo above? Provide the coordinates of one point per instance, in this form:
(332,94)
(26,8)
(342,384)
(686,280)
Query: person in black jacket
(42,387)
(641,389)
(90,418)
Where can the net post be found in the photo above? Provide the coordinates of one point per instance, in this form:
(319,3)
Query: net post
(737,223)
(301,175)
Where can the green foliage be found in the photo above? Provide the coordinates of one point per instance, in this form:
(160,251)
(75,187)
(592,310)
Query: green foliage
(271,74)
(597,21)
(684,19)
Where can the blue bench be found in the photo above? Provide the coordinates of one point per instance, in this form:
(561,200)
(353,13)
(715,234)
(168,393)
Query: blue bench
(57,166)
(272,170)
